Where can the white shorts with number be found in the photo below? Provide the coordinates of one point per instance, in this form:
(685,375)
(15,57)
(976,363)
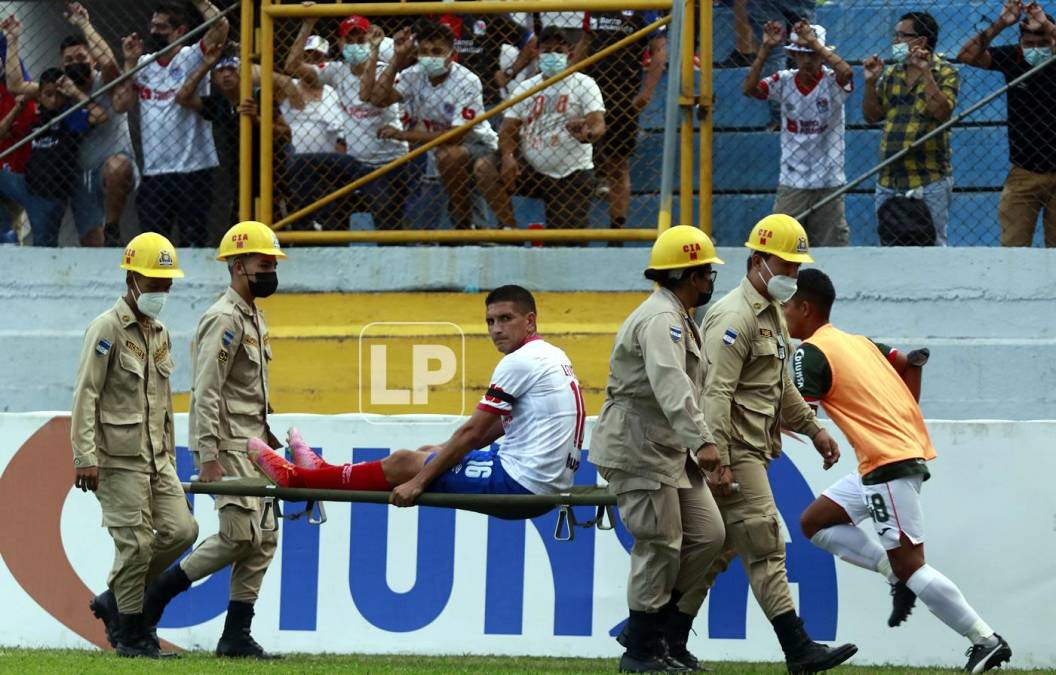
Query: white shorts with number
(894,506)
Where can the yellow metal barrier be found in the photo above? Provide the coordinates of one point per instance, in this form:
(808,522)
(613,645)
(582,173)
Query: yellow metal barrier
(269,12)
(686,101)
(706,105)
(245,124)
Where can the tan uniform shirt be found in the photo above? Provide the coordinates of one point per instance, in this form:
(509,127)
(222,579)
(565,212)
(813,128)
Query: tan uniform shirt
(122,402)
(229,389)
(748,393)
(651,416)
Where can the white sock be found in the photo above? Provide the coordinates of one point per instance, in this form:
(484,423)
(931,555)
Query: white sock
(884,567)
(850,544)
(947,602)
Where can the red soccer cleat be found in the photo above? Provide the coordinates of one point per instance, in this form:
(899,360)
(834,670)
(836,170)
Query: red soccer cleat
(303,456)
(273,465)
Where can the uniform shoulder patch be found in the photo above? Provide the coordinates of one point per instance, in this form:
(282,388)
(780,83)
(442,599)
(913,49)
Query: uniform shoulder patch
(228,338)
(729,337)
(676,334)
(103,348)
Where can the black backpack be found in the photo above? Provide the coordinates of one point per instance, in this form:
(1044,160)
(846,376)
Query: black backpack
(903,221)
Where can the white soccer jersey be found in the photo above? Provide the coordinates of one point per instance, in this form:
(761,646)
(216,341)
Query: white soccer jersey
(537,394)
(363,120)
(175,139)
(452,103)
(315,127)
(812,128)
(545,142)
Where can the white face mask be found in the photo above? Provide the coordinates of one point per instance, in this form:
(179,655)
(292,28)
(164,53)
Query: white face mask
(356,53)
(1035,55)
(149,304)
(434,66)
(900,52)
(780,287)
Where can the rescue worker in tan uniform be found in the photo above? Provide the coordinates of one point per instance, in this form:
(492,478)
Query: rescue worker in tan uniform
(123,442)
(229,405)
(650,442)
(748,398)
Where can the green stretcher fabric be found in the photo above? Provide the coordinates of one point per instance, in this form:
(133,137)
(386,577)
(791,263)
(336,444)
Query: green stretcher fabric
(509,507)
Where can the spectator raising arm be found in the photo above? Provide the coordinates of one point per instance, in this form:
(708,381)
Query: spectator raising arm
(188,96)
(9,119)
(844,72)
(938,104)
(96,114)
(12,28)
(385,93)
(78,17)
(655,71)
(295,65)
(773,35)
(217,33)
(872,108)
(509,140)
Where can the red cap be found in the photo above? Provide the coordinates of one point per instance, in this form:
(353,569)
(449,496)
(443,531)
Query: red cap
(354,22)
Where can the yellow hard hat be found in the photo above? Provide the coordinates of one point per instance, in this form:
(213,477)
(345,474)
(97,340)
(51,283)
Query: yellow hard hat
(782,236)
(151,255)
(682,246)
(249,236)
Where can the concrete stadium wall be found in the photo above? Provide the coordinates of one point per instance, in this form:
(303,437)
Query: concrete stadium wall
(988,314)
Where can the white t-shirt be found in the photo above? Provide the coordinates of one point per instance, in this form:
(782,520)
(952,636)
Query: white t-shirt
(175,139)
(362,120)
(812,128)
(545,142)
(452,103)
(317,126)
(537,394)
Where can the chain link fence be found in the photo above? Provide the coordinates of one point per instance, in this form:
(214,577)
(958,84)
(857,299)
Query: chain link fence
(362,91)
(786,137)
(154,152)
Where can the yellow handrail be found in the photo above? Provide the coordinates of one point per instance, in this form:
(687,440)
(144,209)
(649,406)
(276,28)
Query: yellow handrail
(296,11)
(446,137)
(267,110)
(245,123)
(685,157)
(465,236)
(707,136)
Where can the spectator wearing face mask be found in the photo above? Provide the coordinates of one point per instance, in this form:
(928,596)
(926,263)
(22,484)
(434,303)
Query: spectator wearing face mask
(1031,184)
(360,123)
(912,97)
(53,168)
(179,155)
(546,140)
(438,95)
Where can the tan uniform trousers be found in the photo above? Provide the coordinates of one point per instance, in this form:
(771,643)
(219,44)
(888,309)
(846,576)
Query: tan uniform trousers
(677,533)
(240,541)
(753,533)
(151,524)
(1025,195)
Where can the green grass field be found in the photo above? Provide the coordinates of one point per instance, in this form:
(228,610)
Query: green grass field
(73,661)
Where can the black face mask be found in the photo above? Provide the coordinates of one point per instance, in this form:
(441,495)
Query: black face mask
(80,73)
(263,284)
(157,42)
(704,298)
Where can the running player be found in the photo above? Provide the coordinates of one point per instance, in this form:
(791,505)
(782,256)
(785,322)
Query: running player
(870,391)
(533,403)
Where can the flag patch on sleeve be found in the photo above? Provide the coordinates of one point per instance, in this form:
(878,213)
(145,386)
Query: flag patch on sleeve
(229,337)
(676,334)
(729,337)
(103,348)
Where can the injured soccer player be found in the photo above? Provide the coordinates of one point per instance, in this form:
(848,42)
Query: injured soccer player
(533,403)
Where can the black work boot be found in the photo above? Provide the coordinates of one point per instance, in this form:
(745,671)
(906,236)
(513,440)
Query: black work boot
(803,655)
(104,607)
(646,652)
(236,642)
(676,634)
(132,640)
(160,591)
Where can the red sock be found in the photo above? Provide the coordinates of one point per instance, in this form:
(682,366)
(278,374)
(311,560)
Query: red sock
(361,476)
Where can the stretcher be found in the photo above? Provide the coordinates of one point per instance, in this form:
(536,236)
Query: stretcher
(506,507)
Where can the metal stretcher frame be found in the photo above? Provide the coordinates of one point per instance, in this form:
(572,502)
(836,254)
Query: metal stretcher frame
(507,507)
